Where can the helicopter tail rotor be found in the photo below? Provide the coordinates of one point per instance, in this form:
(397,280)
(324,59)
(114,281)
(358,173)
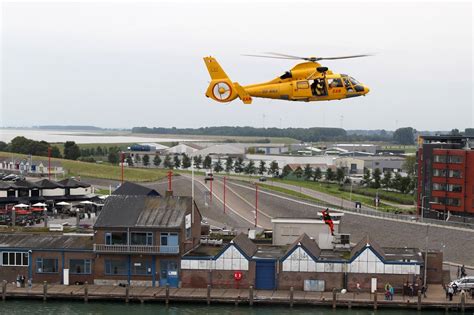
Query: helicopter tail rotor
(221,88)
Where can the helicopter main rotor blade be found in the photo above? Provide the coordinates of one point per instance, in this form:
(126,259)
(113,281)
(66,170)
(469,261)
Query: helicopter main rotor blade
(262,56)
(343,57)
(283,55)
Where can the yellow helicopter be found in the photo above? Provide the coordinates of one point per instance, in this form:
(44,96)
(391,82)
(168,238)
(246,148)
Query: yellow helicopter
(307,82)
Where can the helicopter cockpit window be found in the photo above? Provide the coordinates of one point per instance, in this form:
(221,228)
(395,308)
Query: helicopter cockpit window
(354,81)
(348,84)
(286,75)
(334,83)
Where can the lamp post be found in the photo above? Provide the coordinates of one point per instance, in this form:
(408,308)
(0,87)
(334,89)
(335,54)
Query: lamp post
(426,255)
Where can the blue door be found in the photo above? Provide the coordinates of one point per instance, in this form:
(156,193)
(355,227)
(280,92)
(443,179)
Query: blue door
(265,275)
(169,273)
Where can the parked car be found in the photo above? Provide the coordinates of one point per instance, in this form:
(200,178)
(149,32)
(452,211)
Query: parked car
(9,177)
(262,179)
(209,176)
(466,283)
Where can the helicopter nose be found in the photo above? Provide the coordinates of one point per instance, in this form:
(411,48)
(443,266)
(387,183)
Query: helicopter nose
(366,89)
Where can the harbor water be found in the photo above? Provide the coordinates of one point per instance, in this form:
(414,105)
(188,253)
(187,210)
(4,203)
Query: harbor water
(98,308)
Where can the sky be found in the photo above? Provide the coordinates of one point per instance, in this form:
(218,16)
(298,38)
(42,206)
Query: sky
(120,64)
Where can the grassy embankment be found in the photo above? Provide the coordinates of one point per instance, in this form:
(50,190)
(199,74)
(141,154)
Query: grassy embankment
(333,189)
(293,193)
(94,170)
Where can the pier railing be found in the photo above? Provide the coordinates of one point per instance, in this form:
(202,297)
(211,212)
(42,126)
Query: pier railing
(136,249)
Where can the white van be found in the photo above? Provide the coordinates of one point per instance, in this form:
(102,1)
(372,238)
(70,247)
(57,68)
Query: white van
(466,283)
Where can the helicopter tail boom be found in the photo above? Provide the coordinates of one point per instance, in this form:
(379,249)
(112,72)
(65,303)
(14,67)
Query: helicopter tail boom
(221,88)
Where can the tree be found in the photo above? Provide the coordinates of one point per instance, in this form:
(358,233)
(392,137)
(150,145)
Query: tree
(455,132)
(71,150)
(317,174)
(405,184)
(367,177)
(250,168)
(113,157)
(286,171)
(157,160)
(262,168)
(274,169)
(218,166)
(146,160)
(138,159)
(308,172)
(376,177)
(129,160)
(207,163)
(55,152)
(340,175)
(409,164)
(186,161)
(99,151)
(3,146)
(239,165)
(298,172)
(330,176)
(197,160)
(229,164)
(177,162)
(387,179)
(404,136)
(397,182)
(167,162)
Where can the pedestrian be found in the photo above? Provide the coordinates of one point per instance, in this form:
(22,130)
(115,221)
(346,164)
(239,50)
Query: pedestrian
(445,287)
(459,272)
(392,292)
(450,293)
(30,284)
(463,271)
(358,288)
(423,290)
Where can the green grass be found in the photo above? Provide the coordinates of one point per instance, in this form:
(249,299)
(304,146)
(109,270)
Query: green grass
(293,194)
(333,189)
(94,170)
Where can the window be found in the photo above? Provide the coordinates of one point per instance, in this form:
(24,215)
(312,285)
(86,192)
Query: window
(145,238)
(354,81)
(116,267)
(169,243)
(454,188)
(116,238)
(347,84)
(14,259)
(11,193)
(302,85)
(334,83)
(455,159)
(439,172)
(438,186)
(141,268)
(455,174)
(46,265)
(80,266)
(440,158)
(455,202)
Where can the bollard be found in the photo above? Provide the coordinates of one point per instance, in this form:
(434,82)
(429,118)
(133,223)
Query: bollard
(375,300)
(291,296)
(45,290)
(237,300)
(251,295)
(86,292)
(334,298)
(167,291)
(127,293)
(418,305)
(463,301)
(349,304)
(4,290)
(208,294)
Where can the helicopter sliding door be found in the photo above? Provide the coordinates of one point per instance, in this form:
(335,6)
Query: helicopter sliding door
(301,90)
(335,87)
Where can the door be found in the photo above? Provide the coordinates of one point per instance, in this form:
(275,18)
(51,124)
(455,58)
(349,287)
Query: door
(301,89)
(373,285)
(169,273)
(265,275)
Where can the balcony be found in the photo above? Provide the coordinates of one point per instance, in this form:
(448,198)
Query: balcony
(135,249)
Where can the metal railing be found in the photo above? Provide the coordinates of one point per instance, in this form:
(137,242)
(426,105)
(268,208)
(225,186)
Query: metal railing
(137,249)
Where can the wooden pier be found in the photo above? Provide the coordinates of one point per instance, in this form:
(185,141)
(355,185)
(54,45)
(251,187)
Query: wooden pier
(88,293)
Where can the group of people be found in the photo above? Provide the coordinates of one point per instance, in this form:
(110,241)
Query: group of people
(389,292)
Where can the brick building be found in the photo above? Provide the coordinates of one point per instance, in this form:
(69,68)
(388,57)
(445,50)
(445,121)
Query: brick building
(445,184)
